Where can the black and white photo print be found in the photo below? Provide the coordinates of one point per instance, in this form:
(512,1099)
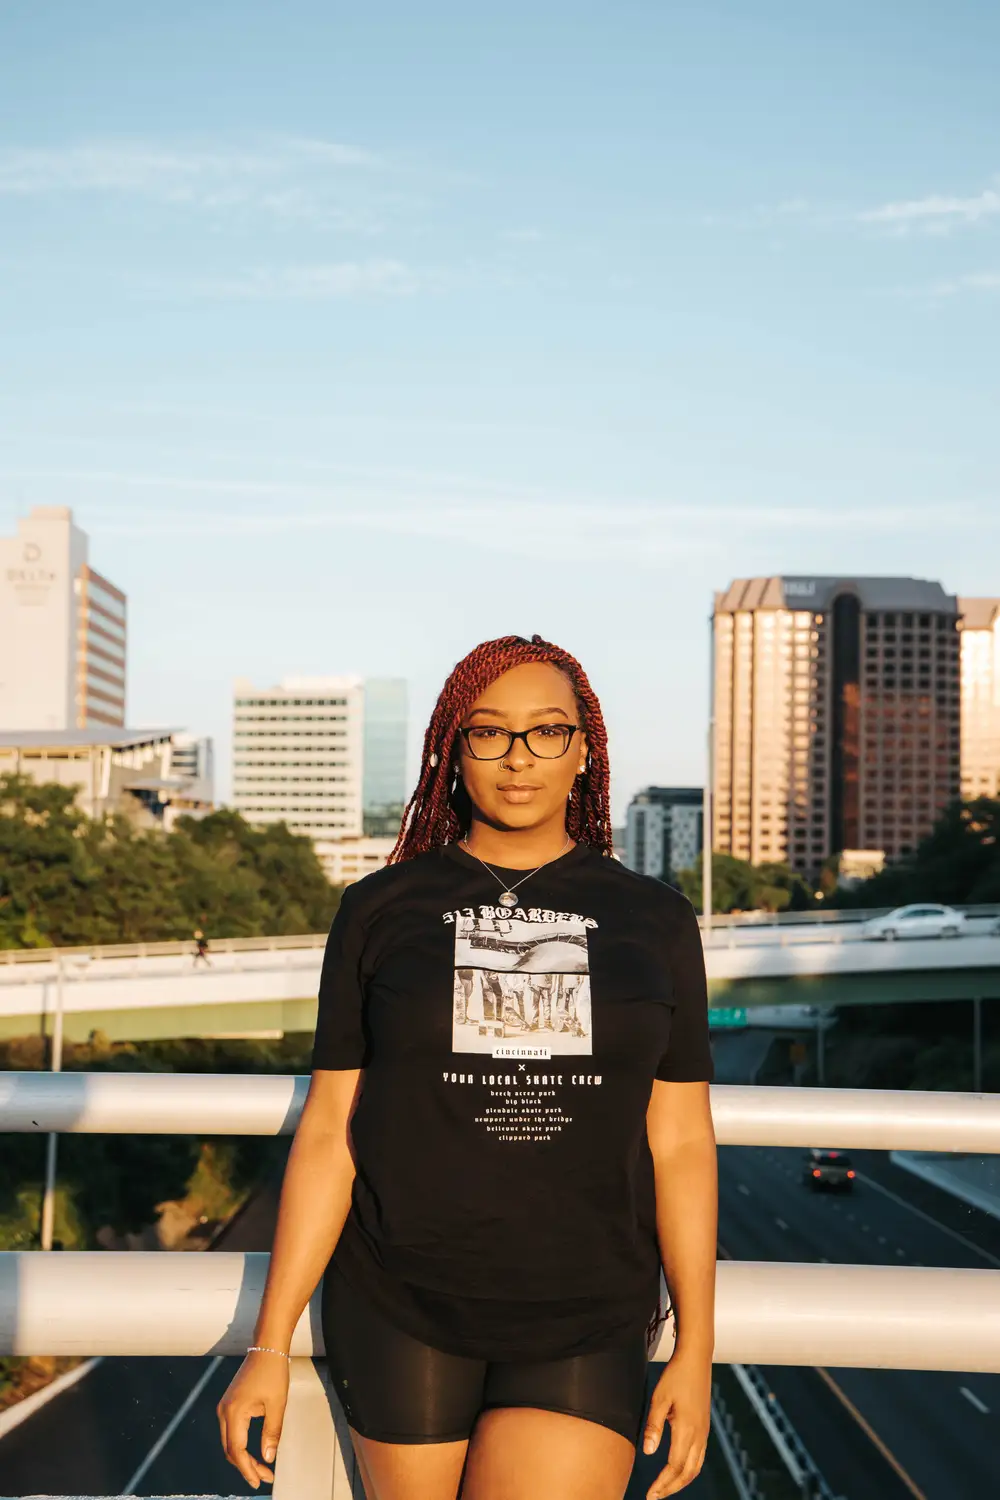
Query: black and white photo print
(520,981)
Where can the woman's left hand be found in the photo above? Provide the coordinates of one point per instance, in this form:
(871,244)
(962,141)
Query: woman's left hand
(683,1397)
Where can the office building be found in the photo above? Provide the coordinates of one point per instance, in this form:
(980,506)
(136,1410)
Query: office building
(384,741)
(298,755)
(347,860)
(980,637)
(663,831)
(110,771)
(63,628)
(836,709)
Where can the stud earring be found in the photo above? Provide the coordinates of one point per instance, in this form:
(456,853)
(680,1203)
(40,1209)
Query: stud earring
(581,768)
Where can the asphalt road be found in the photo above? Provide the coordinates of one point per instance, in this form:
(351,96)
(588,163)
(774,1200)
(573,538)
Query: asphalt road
(104,1436)
(875,1434)
(147,1426)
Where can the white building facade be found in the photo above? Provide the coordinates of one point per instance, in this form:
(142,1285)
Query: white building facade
(298,756)
(63,629)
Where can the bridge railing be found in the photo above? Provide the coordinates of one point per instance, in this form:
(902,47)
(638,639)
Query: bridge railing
(118,1303)
(754,920)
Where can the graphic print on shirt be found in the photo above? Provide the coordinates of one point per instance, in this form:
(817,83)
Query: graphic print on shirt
(520,981)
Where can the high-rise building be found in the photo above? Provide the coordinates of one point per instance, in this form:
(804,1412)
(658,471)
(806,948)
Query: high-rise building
(63,629)
(663,831)
(326,756)
(297,755)
(384,775)
(980,635)
(836,708)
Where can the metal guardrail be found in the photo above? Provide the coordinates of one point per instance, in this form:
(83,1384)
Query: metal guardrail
(101,1302)
(180,946)
(797,1459)
(270,1104)
(121,1302)
(817,916)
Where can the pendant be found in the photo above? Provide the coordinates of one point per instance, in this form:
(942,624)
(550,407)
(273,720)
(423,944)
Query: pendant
(508,899)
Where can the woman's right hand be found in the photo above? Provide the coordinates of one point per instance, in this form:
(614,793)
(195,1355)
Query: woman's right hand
(258,1389)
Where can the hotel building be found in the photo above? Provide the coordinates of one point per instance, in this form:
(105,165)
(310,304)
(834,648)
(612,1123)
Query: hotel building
(980,636)
(63,628)
(836,716)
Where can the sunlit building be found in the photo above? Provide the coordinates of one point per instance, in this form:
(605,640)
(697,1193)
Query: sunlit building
(63,629)
(980,636)
(836,709)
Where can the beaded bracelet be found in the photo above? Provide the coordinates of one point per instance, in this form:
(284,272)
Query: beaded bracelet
(265,1349)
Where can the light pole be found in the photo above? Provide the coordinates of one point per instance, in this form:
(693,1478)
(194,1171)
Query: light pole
(977,1045)
(706,800)
(52,1144)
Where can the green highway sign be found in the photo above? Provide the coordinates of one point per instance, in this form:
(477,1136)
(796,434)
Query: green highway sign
(727,1015)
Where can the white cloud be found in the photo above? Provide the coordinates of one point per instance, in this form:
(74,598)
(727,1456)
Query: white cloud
(936,213)
(287,177)
(644,533)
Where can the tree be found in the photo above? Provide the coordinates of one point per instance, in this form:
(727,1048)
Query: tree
(66,879)
(737,885)
(958,862)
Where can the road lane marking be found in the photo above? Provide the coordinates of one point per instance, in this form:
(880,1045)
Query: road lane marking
(781,1223)
(979,1405)
(871,1434)
(172,1425)
(993,1259)
(741,1187)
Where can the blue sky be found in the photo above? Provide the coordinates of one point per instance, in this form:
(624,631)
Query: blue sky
(354,334)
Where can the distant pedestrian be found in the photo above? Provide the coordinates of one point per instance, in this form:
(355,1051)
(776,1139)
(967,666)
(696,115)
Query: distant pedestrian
(201,948)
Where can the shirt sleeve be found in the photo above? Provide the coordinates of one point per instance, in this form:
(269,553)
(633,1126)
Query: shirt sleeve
(340,1040)
(688,1058)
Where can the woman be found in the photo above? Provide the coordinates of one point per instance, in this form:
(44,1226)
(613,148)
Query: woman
(507,1129)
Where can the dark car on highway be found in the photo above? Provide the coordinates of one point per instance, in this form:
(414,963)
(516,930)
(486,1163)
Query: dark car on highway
(828,1169)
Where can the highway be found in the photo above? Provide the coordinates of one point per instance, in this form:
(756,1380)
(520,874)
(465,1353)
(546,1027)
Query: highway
(876,1435)
(142,1426)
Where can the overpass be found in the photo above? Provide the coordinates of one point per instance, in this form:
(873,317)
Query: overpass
(264,987)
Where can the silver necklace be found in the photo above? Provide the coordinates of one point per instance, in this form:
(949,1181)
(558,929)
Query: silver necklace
(507,896)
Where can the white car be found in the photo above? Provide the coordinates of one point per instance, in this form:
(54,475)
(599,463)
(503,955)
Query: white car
(921,920)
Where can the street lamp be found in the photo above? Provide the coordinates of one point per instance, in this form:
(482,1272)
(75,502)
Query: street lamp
(78,962)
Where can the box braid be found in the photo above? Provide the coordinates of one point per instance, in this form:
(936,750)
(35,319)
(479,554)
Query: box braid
(437,813)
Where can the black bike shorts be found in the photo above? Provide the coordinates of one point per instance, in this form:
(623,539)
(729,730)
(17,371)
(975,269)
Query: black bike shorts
(395,1389)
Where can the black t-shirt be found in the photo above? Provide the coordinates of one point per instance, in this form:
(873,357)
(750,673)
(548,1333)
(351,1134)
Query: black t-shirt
(503,1204)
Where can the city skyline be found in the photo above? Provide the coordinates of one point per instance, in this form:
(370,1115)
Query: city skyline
(350,361)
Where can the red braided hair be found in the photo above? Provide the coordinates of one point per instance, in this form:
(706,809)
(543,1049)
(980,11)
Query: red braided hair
(431,818)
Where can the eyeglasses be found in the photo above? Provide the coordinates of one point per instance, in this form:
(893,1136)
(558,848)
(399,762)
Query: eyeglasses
(546,741)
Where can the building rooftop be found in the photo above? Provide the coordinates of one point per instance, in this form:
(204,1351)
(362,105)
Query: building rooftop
(91,738)
(978,614)
(793,591)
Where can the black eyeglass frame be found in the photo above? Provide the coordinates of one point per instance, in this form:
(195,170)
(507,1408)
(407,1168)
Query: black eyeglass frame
(519,734)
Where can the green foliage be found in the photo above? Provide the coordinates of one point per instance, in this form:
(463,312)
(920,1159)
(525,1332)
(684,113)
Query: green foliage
(68,880)
(958,863)
(738,885)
